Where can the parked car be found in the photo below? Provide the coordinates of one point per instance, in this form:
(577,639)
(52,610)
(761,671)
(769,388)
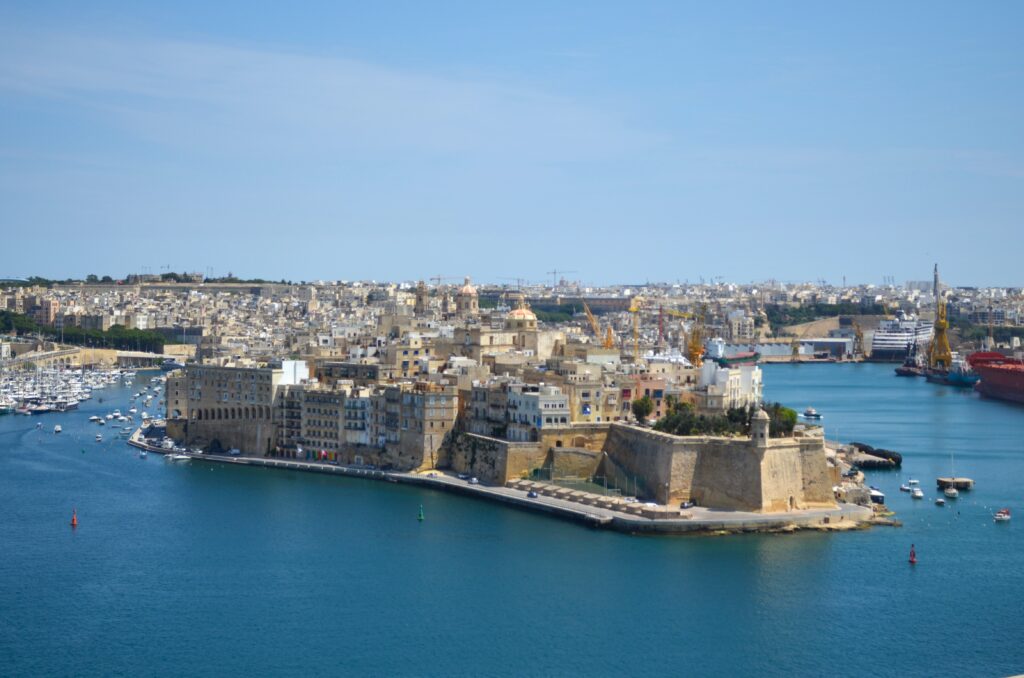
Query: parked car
(463,476)
(531,494)
(474,481)
(686,505)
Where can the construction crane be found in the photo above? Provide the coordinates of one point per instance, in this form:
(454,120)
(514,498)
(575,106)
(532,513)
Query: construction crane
(940,356)
(609,338)
(662,312)
(634,307)
(438,279)
(554,276)
(695,343)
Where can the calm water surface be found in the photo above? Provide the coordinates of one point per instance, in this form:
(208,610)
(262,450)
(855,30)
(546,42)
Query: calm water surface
(207,570)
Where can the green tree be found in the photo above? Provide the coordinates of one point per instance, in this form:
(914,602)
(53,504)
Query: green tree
(642,408)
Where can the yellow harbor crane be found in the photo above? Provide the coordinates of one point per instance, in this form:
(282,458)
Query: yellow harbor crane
(695,342)
(609,338)
(940,356)
(634,308)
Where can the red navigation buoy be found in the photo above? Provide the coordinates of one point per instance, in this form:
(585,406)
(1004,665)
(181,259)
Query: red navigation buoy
(74,518)
(913,555)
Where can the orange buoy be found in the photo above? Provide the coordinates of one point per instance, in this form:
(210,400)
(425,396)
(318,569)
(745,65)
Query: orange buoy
(913,555)
(74,518)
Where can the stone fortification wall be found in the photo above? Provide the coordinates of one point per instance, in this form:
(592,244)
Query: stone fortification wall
(492,460)
(818,476)
(588,436)
(251,436)
(650,455)
(728,473)
(574,462)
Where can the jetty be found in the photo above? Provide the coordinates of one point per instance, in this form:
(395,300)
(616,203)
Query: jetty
(958,483)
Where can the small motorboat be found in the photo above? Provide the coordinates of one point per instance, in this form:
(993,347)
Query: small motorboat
(811,413)
(939,501)
(99,437)
(951,492)
(1002,515)
(102,422)
(179,457)
(917,493)
(142,454)
(904,488)
(913,481)
(57,429)
(94,418)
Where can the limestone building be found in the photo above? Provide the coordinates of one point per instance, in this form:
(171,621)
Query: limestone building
(467,301)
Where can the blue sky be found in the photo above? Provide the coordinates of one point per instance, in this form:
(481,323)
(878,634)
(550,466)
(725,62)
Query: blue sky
(624,141)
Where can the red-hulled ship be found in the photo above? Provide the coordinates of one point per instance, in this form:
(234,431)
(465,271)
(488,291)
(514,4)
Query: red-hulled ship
(1002,377)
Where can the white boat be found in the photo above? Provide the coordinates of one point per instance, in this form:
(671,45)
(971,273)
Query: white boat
(939,501)
(1002,515)
(57,429)
(99,437)
(811,413)
(913,481)
(142,454)
(94,418)
(904,488)
(951,492)
(109,417)
(917,493)
(179,457)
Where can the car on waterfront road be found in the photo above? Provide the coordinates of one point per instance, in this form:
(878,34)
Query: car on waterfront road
(686,505)
(531,494)
(463,476)
(474,481)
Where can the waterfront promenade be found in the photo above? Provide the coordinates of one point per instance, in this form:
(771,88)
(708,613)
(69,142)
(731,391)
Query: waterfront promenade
(668,521)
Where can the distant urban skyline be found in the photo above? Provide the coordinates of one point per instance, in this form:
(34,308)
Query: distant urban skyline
(662,142)
(567,278)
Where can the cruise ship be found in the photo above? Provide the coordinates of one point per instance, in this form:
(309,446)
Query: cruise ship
(895,337)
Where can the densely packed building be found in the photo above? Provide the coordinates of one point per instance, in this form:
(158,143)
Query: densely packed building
(384,373)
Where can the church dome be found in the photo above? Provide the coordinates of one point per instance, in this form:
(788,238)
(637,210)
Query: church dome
(467,289)
(522,314)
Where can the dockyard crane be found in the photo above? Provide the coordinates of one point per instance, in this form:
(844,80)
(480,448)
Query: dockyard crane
(634,307)
(940,356)
(695,343)
(662,311)
(609,338)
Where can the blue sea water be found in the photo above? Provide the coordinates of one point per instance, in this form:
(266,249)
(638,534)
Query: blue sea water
(197,569)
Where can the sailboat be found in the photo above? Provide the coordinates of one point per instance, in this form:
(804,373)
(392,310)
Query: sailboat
(950,490)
